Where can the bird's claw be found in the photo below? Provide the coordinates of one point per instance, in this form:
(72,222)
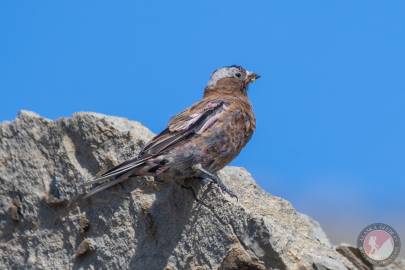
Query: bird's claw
(213,177)
(227,190)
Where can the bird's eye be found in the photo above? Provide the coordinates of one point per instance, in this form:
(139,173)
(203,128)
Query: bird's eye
(238,75)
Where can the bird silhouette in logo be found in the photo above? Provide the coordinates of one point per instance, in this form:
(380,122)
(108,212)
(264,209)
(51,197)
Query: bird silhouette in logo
(200,140)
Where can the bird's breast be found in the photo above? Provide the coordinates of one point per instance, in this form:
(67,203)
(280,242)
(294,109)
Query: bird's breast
(227,136)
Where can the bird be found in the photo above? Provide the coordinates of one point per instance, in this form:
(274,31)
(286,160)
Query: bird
(199,141)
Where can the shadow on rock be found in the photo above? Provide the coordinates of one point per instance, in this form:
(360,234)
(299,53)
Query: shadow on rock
(160,225)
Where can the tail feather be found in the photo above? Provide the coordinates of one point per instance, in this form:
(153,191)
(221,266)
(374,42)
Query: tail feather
(104,186)
(113,173)
(120,173)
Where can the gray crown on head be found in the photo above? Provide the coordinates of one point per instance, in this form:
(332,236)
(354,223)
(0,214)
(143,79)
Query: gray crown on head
(233,71)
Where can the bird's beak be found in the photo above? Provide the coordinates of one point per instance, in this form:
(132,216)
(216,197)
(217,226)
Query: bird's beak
(251,77)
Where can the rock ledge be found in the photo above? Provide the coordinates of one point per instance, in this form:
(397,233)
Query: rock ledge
(139,224)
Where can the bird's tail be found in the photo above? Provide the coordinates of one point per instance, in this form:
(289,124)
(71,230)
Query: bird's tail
(103,187)
(116,175)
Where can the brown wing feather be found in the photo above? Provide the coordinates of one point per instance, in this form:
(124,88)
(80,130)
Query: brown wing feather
(180,127)
(183,125)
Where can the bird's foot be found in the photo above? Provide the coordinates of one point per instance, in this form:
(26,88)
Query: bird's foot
(224,188)
(214,178)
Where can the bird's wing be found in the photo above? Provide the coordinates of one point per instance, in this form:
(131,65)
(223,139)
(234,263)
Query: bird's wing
(193,120)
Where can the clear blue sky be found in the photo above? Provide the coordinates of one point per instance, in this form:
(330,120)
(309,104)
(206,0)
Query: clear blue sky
(330,104)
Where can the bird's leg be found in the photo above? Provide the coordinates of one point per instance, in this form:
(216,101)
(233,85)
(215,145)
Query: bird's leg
(214,178)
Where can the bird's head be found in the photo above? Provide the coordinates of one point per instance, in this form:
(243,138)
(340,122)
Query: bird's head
(230,79)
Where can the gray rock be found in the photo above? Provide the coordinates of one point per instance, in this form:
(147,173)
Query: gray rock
(397,265)
(140,224)
(354,255)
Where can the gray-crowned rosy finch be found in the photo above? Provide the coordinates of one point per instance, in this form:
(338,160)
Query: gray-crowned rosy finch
(199,141)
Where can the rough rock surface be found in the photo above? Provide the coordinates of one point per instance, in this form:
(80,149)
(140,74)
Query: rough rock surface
(140,224)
